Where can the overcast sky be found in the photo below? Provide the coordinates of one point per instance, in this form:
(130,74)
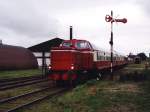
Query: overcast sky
(29,22)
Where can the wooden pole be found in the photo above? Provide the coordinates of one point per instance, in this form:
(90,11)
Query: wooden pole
(43,63)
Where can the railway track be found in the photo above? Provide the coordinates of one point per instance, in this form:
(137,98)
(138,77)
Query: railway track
(20,83)
(5,80)
(28,99)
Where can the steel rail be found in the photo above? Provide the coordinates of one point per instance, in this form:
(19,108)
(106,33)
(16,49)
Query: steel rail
(22,95)
(18,81)
(19,78)
(22,84)
(54,94)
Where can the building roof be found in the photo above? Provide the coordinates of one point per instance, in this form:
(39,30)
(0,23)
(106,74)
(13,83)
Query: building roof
(16,57)
(132,56)
(46,46)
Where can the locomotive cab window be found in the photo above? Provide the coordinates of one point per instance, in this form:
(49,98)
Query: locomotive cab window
(83,45)
(67,44)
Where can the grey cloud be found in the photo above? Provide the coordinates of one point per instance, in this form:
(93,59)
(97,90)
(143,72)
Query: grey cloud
(36,18)
(25,18)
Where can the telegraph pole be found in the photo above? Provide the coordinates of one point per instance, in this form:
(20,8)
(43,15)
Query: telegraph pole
(109,18)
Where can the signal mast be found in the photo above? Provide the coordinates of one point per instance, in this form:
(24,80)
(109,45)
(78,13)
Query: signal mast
(109,18)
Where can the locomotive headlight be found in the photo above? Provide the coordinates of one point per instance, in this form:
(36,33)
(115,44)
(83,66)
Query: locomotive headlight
(49,67)
(72,67)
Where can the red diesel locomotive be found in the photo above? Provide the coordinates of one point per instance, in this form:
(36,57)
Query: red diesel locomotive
(77,59)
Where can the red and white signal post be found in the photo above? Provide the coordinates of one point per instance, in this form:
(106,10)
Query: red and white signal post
(109,18)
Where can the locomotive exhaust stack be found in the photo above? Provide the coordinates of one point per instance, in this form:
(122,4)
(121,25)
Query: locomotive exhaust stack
(70,32)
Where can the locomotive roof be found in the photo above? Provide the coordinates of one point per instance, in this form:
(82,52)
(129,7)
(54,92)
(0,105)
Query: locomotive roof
(75,40)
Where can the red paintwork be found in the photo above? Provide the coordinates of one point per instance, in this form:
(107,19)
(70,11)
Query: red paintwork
(56,77)
(108,18)
(62,58)
(102,64)
(65,77)
(65,59)
(74,76)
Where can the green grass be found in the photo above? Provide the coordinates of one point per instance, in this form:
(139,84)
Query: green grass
(142,65)
(19,73)
(96,98)
(107,97)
